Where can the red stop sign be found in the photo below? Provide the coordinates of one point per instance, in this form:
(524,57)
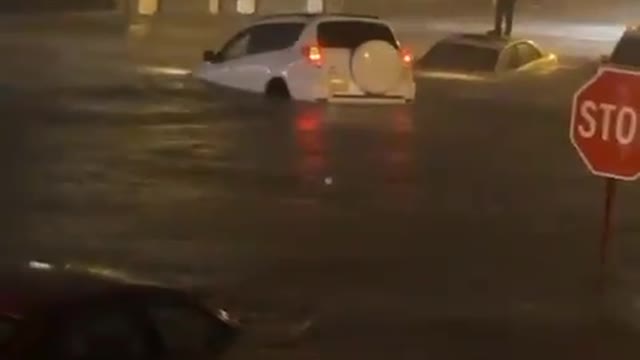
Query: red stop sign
(605,125)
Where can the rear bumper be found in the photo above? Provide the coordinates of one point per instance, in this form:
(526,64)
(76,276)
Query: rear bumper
(316,89)
(359,99)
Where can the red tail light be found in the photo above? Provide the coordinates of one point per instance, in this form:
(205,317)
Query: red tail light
(406,56)
(313,54)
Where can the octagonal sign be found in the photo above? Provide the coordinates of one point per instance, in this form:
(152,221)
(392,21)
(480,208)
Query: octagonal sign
(604,124)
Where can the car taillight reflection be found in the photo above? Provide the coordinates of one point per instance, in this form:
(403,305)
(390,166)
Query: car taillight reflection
(311,160)
(313,54)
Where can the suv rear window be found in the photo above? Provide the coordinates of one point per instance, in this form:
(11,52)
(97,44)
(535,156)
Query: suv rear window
(627,52)
(460,57)
(351,34)
(273,37)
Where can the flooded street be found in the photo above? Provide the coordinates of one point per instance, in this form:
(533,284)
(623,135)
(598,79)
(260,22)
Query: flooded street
(461,226)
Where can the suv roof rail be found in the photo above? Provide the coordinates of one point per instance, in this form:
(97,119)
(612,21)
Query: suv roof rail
(364,16)
(313,15)
(279,15)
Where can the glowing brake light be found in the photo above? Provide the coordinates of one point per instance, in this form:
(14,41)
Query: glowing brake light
(407,57)
(313,54)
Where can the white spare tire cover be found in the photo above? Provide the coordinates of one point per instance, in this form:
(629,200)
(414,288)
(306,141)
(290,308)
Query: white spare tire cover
(376,67)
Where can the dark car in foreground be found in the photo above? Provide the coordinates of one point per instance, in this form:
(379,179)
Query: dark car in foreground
(61,314)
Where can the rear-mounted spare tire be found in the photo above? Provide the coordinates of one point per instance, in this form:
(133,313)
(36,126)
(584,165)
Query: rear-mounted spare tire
(376,67)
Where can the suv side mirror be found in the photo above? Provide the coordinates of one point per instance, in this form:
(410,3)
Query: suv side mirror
(211,56)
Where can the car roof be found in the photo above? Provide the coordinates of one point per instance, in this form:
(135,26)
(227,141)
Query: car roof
(311,17)
(24,289)
(483,40)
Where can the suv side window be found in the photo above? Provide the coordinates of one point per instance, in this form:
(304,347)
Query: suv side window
(262,38)
(274,37)
(527,53)
(101,332)
(206,336)
(627,51)
(237,47)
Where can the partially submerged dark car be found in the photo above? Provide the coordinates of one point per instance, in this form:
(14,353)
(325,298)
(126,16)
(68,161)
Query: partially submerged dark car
(485,55)
(489,68)
(63,314)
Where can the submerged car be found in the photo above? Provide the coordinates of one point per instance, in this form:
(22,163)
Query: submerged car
(491,69)
(60,314)
(481,55)
(314,57)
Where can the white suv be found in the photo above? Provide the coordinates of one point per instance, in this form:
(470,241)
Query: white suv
(321,57)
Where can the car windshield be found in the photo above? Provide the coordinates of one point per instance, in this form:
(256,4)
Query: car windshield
(351,34)
(451,56)
(627,52)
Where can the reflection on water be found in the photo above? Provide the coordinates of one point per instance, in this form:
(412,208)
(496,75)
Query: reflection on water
(370,156)
(400,163)
(397,151)
(312,163)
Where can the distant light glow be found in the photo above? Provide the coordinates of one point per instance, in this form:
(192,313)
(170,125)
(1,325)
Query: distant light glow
(328,180)
(39,265)
(214,6)
(147,7)
(315,6)
(246,7)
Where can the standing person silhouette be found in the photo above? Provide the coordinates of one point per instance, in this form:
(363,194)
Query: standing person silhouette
(504,16)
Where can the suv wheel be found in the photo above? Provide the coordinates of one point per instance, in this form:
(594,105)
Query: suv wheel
(277,89)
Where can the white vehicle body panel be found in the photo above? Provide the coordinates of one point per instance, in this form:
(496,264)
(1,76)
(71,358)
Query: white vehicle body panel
(250,73)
